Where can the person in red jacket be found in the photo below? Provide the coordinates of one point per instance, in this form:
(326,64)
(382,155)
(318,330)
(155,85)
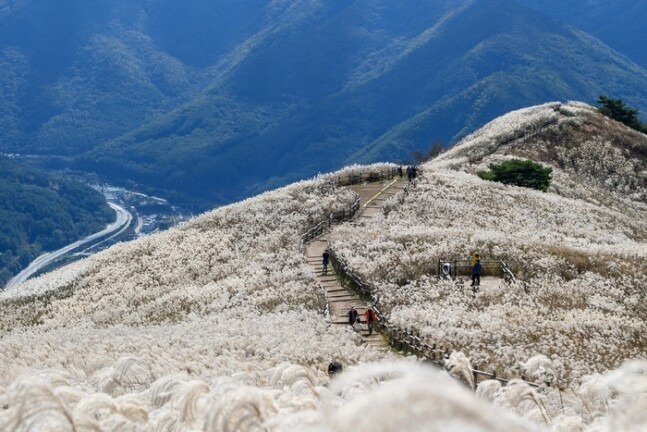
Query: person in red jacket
(370,317)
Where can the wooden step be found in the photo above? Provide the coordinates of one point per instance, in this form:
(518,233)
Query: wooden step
(338,298)
(341,296)
(337,290)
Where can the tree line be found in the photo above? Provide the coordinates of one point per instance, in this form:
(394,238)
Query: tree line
(42,212)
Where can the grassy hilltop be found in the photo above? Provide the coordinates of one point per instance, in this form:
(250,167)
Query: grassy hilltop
(578,248)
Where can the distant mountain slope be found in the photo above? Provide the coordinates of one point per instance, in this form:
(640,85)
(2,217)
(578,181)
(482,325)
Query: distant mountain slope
(80,73)
(437,82)
(213,101)
(619,23)
(41,212)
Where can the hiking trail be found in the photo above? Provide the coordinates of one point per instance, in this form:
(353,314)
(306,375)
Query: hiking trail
(340,299)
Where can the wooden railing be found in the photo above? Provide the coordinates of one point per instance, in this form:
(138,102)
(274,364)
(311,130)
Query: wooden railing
(347,213)
(336,216)
(403,339)
(527,132)
(454,268)
(366,176)
(522,134)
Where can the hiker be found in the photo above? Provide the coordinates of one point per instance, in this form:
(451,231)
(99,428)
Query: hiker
(370,317)
(475,258)
(410,173)
(358,325)
(325,258)
(446,269)
(414,171)
(476,273)
(400,171)
(353,315)
(334,369)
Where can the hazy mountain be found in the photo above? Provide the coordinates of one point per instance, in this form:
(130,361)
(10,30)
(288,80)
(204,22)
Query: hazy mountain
(79,73)
(213,101)
(41,212)
(619,23)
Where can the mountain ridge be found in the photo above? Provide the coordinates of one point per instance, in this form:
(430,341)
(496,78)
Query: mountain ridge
(613,23)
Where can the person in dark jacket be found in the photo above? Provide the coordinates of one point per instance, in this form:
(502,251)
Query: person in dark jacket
(334,369)
(325,259)
(352,315)
(476,273)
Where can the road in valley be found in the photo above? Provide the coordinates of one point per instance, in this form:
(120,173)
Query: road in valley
(124,217)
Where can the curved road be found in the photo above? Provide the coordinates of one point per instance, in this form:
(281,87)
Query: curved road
(117,227)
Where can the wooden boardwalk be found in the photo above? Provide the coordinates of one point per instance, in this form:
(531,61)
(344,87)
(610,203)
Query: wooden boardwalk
(340,299)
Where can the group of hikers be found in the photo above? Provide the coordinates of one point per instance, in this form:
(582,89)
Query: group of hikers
(370,318)
(353,316)
(475,264)
(412,172)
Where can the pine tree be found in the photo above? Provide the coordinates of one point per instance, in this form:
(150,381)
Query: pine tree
(519,172)
(617,110)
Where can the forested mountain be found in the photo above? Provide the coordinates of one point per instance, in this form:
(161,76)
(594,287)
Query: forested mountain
(41,212)
(618,23)
(207,102)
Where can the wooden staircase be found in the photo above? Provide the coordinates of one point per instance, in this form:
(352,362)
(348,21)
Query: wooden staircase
(339,298)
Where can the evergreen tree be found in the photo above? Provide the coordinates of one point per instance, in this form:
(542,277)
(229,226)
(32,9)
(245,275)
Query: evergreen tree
(617,110)
(520,173)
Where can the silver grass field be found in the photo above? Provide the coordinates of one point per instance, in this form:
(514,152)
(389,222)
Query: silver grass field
(220,325)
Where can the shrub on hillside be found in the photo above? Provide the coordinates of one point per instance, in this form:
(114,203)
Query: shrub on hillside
(617,110)
(520,173)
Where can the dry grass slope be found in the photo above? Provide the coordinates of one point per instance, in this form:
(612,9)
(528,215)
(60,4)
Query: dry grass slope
(220,326)
(580,248)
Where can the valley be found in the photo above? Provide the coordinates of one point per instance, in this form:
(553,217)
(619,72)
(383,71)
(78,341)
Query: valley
(137,215)
(46,260)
